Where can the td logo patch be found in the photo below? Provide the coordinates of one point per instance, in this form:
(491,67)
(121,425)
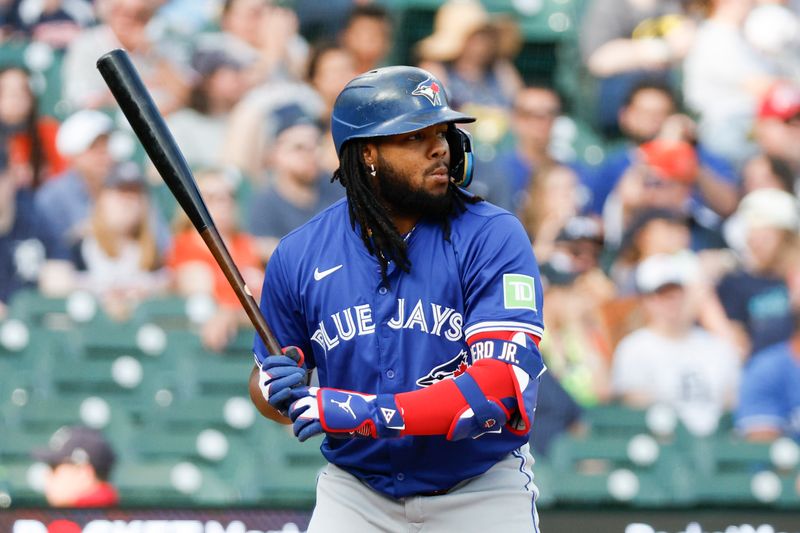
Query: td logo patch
(519,292)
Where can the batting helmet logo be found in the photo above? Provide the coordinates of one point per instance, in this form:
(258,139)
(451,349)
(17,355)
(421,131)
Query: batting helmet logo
(430,90)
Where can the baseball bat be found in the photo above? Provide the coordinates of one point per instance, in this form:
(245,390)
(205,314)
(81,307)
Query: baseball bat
(138,107)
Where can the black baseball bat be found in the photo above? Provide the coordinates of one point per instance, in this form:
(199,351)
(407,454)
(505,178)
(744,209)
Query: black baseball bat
(136,103)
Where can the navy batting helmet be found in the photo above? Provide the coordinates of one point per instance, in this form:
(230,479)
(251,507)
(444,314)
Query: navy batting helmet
(395,100)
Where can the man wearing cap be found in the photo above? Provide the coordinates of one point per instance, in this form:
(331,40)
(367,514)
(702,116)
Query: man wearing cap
(81,461)
(66,201)
(650,112)
(671,360)
(419,305)
(295,190)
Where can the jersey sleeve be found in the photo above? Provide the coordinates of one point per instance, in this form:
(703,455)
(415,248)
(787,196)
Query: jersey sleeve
(282,311)
(502,287)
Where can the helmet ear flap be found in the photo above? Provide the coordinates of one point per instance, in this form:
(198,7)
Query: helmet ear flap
(461,158)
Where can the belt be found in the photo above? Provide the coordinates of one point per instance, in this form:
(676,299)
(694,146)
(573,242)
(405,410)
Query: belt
(439,492)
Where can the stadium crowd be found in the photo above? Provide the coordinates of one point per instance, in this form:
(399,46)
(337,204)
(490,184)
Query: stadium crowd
(671,264)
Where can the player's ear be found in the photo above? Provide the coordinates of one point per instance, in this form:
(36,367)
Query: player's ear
(369,154)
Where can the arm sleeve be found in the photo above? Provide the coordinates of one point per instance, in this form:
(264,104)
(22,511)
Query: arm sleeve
(430,411)
(283,313)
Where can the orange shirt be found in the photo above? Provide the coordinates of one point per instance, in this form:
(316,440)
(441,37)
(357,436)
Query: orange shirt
(19,148)
(189,247)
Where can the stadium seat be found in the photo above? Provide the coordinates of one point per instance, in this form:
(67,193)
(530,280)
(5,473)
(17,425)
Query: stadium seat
(615,420)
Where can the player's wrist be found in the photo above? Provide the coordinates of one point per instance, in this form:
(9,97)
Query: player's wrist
(360,415)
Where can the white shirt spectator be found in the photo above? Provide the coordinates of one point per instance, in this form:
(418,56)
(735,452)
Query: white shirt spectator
(698,374)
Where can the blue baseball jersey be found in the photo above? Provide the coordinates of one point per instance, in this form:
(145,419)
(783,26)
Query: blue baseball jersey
(323,292)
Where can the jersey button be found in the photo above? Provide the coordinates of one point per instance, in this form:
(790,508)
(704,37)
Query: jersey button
(390,374)
(382,290)
(400,476)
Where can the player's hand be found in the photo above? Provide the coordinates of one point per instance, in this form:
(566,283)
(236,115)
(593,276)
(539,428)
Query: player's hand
(342,413)
(280,376)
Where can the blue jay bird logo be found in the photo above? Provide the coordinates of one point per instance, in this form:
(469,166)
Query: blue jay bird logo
(451,369)
(430,90)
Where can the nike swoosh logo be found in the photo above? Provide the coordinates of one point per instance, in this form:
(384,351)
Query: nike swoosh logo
(319,275)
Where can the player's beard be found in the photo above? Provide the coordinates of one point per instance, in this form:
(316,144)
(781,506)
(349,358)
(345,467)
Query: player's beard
(400,197)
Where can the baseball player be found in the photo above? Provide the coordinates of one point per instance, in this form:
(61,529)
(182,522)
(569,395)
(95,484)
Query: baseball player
(420,307)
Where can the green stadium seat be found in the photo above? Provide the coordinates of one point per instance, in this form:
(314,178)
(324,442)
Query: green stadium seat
(615,420)
(169,312)
(14,479)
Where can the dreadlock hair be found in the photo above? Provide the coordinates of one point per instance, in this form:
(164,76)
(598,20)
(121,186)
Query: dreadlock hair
(379,234)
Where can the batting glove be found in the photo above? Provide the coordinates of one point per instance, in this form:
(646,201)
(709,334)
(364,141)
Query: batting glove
(342,413)
(280,376)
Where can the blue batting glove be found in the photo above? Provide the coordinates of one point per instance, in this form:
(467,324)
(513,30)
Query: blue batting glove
(341,413)
(280,376)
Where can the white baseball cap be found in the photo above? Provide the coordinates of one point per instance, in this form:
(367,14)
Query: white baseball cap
(769,208)
(80,130)
(660,270)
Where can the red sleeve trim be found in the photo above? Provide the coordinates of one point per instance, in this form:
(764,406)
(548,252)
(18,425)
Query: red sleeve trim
(502,335)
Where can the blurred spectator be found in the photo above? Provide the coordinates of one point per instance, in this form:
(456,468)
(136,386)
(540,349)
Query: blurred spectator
(507,179)
(81,461)
(533,114)
(623,41)
(118,259)
(664,177)
(125,25)
(576,348)
(55,22)
(200,128)
(671,360)
(31,138)
(472,55)
(551,200)
(264,37)
(247,138)
(329,70)
(724,78)
(29,249)
(187,18)
(67,200)
(297,190)
(367,35)
(651,232)
(649,112)
(322,21)
(773,29)
(195,270)
(756,296)
(777,127)
(766,172)
(769,398)
(556,413)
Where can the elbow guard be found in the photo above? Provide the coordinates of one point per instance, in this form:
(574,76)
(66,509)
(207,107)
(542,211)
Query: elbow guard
(525,366)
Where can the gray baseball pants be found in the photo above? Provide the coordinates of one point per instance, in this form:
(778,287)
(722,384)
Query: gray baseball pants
(500,500)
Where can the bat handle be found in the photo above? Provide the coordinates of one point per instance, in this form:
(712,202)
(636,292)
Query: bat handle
(215,243)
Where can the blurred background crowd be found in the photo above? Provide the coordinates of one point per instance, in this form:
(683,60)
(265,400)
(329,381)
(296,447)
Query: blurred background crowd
(649,147)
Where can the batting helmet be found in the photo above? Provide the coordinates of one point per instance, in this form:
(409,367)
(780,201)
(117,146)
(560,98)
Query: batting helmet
(394,100)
